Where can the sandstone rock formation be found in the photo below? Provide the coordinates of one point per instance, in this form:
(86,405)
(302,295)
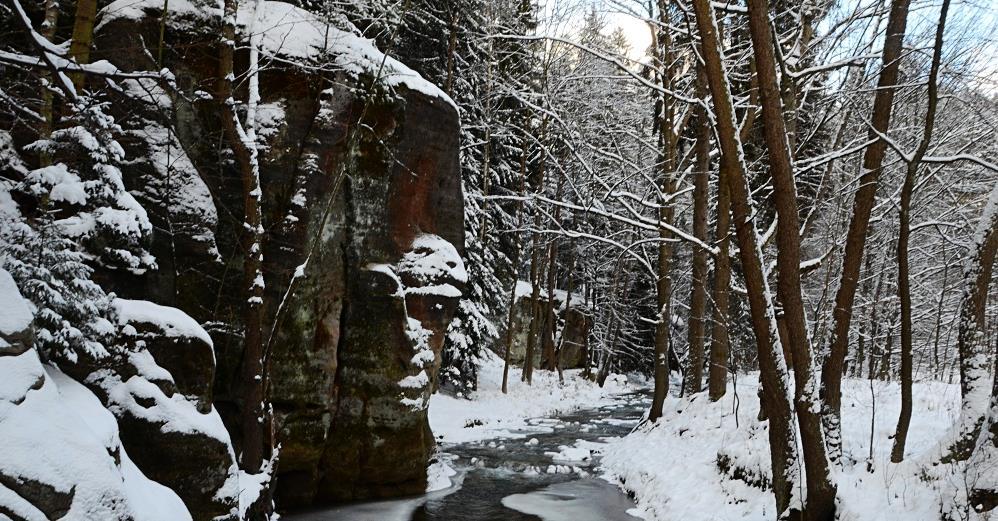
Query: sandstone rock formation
(574,324)
(61,456)
(364,218)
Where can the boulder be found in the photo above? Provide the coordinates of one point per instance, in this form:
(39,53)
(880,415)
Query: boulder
(16,333)
(160,392)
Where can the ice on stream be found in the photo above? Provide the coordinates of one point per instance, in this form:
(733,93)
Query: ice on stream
(581,500)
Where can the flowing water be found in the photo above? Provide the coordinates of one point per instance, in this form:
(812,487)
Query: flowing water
(519,479)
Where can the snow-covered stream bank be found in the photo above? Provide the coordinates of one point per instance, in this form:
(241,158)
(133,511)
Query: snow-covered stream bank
(527,455)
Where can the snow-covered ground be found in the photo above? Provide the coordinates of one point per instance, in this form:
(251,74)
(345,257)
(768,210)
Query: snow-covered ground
(672,466)
(491,414)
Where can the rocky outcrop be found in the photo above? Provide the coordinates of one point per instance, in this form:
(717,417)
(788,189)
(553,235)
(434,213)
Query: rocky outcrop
(370,313)
(161,395)
(574,323)
(363,209)
(61,456)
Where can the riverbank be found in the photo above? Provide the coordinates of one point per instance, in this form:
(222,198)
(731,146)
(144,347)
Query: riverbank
(518,463)
(491,414)
(674,467)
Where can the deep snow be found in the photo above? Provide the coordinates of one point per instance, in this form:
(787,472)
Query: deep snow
(672,466)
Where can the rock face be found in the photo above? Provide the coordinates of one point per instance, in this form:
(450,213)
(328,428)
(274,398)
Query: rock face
(161,396)
(573,321)
(363,209)
(364,315)
(61,456)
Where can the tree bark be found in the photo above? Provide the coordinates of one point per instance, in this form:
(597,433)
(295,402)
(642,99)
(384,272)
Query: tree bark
(698,285)
(83,37)
(873,158)
(971,344)
(535,277)
(820,489)
(782,440)
(904,231)
(244,148)
(663,285)
(559,357)
(719,348)
(550,317)
(46,111)
(516,266)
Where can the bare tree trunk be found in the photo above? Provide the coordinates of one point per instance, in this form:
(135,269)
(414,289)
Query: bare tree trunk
(451,49)
(516,266)
(939,322)
(663,284)
(243,145)
(550,317)
(698,285)
(856,369)
(535,297)
(535,277)
(83,37)
(487,152)
(559,357)
(904,231)
(873,158)
(46,111)
(971,343)
(773,376)
(719,349)
(820,489)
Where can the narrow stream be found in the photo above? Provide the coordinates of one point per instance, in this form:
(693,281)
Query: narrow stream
(547,475)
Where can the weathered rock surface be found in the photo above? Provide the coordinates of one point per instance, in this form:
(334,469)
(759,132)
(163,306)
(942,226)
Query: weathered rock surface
(61,456)
(363,209)
(574,324)
(175,436)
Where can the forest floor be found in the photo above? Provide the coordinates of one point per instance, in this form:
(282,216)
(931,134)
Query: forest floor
(672,467)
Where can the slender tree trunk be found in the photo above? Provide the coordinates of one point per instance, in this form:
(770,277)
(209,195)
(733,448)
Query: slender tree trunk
(856,369)
(46,111)
(663,284)
(885,360)
(820,489)
(939,321)
(510,319)
(487,152)
(719,349)
(559,357)
(550,317)
(451,50)
(873,158)
(618,287)
(904,231)
(535,268)
(773,372)
(698,285)
(83,37)
(243,143)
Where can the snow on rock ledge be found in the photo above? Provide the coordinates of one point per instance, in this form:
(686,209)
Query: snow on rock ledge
(15,318)
(61,455)
(288,32)
(177,344)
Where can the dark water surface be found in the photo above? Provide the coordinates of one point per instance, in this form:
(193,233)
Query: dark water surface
(494,475)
